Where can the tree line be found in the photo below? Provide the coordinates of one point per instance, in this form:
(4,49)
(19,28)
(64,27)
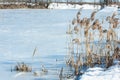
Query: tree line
(102,2)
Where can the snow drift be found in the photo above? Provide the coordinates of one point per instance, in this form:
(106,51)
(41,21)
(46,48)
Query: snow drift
(113,73)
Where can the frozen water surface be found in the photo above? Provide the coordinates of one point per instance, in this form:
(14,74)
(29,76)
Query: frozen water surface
(24,29)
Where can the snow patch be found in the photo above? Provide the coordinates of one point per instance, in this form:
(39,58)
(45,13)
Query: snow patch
(109,9)
(113,73)
(19,74)
(71,6)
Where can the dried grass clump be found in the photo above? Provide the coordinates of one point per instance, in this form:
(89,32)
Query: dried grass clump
(22,67)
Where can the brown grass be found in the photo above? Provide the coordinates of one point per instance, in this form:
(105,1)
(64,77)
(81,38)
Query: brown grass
(94,53)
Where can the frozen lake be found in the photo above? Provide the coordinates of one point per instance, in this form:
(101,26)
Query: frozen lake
(24,29)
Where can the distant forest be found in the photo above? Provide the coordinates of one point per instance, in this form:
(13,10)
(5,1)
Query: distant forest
(59,0)
(45,3)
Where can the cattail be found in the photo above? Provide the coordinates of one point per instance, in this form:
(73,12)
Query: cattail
(95,24)
(114,14)
(72,61)
(109,61)
(100,28)
(76,41)
(61,74)
(74,21)
(108,35)
(111,35)
(108,46)
(78,15)
(88,48)
(34,51)
(76,29)
(89,60)
(116,22)
(78,62)
(86,33)
(69,31)
(76,69)
(107,18)
(91,37)
(93,16)
(78,21)
(116,54)
(83,22)
(100,31)
(87,22)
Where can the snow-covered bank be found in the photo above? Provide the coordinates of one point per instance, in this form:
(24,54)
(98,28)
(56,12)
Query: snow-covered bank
(70,6)
(109,9)
(97,73)
(113,73)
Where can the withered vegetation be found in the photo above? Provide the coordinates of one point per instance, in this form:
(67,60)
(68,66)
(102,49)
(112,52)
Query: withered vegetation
(90,44)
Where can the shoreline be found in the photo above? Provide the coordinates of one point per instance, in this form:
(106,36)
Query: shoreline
(50,6)
(21,6)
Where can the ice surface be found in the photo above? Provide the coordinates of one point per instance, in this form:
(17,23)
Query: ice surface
(24,29)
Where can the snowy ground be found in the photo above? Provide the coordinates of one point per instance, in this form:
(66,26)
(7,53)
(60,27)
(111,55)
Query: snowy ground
(24,29)
(113,73)
(75,6)
(70,6)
